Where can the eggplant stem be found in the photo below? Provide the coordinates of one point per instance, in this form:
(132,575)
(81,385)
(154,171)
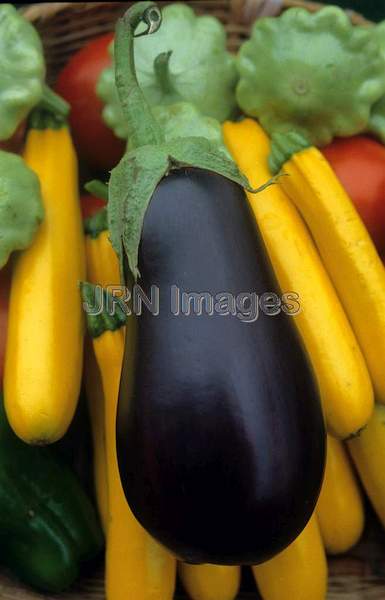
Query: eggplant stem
(143,128)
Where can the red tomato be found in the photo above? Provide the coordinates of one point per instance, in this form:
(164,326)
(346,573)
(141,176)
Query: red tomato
(90,205)
(5,282)
(95,142)
(359,163)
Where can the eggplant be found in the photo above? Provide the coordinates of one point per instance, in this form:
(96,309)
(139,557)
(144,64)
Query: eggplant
(220,432)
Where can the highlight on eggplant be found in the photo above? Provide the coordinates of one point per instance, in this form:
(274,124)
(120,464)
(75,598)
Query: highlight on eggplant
(220,432)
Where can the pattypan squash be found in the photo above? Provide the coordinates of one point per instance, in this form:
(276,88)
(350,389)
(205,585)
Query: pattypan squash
(183,120)
(185,60)
(377,115)
(316,74)
(21,207)
(22,69)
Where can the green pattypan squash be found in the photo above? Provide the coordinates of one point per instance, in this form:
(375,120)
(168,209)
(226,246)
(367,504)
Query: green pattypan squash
(22,69)
(185,60)
(377,115)
(21,207)
(182,120)
(316,74)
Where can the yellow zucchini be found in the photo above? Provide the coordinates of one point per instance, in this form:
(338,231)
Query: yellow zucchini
(299,572)
(340,508)
(210,582)
(43,365)
(102,261)
(102,269)
(368,453)
(342,375)
(136,565)
(347,251)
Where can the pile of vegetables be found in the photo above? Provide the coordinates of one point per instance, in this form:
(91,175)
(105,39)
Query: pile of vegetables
(220,438)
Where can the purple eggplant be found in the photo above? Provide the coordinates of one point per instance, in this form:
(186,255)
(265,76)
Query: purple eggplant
(220,432)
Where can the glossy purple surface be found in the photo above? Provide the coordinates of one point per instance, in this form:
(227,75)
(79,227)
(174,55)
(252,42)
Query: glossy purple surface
(221,438)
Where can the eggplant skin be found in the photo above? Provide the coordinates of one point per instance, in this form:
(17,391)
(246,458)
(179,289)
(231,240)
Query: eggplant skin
(220,432)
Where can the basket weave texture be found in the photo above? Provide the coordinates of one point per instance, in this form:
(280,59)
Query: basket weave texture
(65,27)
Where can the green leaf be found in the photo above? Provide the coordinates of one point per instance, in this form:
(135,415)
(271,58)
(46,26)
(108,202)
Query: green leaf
(132,184)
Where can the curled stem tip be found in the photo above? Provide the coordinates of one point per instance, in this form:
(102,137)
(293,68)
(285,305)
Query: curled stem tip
(151,16)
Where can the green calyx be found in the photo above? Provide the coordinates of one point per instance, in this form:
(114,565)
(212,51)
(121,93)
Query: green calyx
(283,146)
(312,73)
(150,157)
(96,224)
(50,113)
(21,205)
(104,312)
(183,120)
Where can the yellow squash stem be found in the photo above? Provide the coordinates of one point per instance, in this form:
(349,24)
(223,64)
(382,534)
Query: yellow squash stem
(45,333)
(368,453)
(210,582)
(136,565)
(347,251)
(340,508)
(299,572)
(339,366)
(95,399)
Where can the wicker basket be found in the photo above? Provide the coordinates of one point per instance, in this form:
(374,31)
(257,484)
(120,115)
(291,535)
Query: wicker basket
(65,27)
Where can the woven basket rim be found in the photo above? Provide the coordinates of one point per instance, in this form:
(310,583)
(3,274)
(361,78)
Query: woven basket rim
(46,10)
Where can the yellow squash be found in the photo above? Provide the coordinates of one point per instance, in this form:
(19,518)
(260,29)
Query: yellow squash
(210,582)
(347,251)
(102,269)
(340,509)
(368,453)
(297,573)
(102,261)
(342,375)
(44,356)
(136,565)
